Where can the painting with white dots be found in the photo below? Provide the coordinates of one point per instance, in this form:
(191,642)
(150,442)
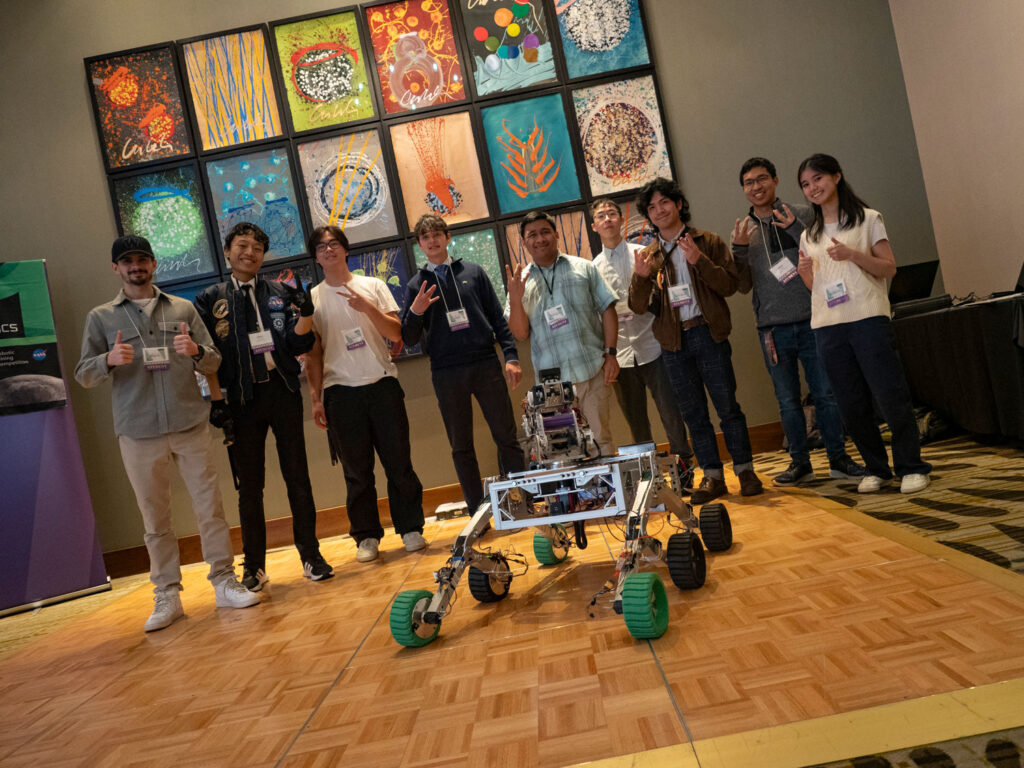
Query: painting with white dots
(601,36)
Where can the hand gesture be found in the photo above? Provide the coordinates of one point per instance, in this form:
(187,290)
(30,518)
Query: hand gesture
(319,415)
(304,301)
(424,299)
(516,283)
(183,343)
(689,248)
(805,266)
(840,251)
(356,300)
(120,353)
(514,373)
(610,366)
(643,263)
(783,219)
(741,232)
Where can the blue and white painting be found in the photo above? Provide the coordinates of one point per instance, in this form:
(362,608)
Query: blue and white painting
(601,36)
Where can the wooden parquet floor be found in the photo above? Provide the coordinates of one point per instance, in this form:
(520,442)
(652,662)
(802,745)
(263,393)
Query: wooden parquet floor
(808,615)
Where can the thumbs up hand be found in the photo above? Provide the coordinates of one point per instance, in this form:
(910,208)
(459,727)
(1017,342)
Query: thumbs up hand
(120,353)
(183,343)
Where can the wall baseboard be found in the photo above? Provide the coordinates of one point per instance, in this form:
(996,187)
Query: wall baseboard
(333,521)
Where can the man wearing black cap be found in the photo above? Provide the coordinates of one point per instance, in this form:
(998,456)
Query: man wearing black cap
(259,333)
(151,344)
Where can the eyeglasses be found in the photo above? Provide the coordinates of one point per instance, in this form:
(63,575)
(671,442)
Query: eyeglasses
(330,245)
(757,181)
(607,214)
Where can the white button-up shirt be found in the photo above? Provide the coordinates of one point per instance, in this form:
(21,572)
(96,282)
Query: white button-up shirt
(636,344)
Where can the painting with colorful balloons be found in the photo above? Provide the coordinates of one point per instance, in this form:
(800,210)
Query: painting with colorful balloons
(137,100)
(323,69)
(166,208)
(509,44)
(417,57)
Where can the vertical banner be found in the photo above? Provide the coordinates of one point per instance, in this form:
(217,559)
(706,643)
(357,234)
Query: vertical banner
(49,549)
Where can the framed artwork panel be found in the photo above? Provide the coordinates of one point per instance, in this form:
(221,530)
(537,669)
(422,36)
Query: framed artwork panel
(621,135)
(530,153)
(601,36)
(232,87)
(509,45)
(416,54)
(257,187)
(480,247)
(323,71)
(301,275)
(167,207)
(137,103)
(346,184)
(392,266)
(438,168)
(573,238)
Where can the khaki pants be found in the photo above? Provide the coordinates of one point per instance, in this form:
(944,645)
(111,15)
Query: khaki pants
(148,464)
(593,398)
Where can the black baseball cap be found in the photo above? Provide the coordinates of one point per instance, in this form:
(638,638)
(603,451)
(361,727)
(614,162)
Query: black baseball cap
(129,244)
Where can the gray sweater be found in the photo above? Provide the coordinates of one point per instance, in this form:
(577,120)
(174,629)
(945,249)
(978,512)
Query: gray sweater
(774,303)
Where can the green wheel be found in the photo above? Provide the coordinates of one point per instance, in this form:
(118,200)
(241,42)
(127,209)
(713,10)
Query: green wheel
(405,629)
(644,605)
(715,527)
(547,551)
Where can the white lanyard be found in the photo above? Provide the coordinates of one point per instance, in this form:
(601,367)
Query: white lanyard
(142,339)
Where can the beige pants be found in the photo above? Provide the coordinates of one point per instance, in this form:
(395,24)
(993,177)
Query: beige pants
(148,464)
(593,397)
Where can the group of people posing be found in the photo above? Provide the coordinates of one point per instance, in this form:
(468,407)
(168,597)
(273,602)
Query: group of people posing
(636,318)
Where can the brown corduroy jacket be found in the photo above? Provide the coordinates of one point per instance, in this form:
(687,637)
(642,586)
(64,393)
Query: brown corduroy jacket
(713,277)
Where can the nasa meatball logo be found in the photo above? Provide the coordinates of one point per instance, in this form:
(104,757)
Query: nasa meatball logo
(39,355)
(11,324)
(275,302)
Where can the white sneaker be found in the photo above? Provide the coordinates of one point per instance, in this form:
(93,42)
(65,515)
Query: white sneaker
(414,541)
(231,594)
(871,483)
(914,483)
(166,610)
(367,550)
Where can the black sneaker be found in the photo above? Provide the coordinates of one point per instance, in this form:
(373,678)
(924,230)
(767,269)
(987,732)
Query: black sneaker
(253,579)
(844,468)
(795,473)
(317,569)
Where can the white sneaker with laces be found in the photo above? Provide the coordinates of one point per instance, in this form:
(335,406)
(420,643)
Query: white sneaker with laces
(231,594)
(914,483)
(870,484)
(367,550)
(166,610)
(414,541)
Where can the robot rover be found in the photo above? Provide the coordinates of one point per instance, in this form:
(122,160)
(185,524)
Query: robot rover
(567,483)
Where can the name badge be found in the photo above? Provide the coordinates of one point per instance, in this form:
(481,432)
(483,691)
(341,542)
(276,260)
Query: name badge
(354,339)
(156,358)
(784,270)
(680,295)
(836,294)
(458,319)
(260,342)
(556,317)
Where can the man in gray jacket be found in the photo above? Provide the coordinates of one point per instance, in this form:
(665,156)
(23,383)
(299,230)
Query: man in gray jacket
(151,344)
(765,246)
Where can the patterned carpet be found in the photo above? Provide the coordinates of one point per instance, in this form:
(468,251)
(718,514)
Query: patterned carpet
(993,750)
(975,503)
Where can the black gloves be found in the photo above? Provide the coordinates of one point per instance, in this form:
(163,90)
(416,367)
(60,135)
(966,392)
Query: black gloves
(304,301)
(220,417)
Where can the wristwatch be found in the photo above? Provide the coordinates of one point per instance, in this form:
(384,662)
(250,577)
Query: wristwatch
(199,355)
(611,351)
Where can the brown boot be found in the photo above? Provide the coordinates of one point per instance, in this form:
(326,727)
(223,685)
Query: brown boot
(710,488)
(750,484)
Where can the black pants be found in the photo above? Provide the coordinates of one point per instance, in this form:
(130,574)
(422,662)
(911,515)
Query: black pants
(273,406)
(454,388)
(631,392)
(364,419)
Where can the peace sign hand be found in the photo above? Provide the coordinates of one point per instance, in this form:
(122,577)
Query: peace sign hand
(516,282)
(784,219)
(741,232)
(423,299)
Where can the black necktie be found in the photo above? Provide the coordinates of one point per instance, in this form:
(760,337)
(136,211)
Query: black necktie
(259,363)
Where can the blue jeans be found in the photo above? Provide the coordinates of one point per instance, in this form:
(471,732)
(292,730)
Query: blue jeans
(701,362)
(861,361)
(794,343)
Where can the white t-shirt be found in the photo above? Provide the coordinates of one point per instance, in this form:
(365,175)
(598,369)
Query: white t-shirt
(355,354)
(868,295)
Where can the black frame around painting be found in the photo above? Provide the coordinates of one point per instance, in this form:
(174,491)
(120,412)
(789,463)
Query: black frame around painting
(382,122)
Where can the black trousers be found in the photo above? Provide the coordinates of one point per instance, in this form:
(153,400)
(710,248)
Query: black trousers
(631,392)
(275,407)
(454,388)
(362,420)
